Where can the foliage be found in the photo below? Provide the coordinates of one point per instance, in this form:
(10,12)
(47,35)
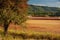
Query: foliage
(12,11)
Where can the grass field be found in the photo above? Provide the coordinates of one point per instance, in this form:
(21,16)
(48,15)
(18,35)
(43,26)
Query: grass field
(44,25)
(35,30)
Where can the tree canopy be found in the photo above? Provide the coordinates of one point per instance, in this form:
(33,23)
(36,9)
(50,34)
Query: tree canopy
(12,11)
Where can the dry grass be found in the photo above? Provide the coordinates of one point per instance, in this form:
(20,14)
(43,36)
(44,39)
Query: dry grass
(39,26)
(30,35)
(44,25)
(36,30)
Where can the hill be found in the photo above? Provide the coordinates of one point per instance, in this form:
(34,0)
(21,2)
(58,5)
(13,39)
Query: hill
(42,10)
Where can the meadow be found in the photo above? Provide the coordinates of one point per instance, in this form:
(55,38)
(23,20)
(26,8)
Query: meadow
(35,30)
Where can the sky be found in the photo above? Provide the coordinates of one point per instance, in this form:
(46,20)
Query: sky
(50,3)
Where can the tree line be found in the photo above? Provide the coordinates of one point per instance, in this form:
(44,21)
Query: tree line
(43,11)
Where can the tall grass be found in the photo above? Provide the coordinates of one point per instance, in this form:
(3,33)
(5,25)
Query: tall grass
(29,35)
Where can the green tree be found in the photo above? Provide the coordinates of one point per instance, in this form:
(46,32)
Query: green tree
(12,11)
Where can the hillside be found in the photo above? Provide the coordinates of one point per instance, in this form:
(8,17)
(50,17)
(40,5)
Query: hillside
(42,10)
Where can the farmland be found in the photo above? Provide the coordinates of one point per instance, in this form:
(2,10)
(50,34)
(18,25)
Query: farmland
(44,25)
(35,29)
(39,26)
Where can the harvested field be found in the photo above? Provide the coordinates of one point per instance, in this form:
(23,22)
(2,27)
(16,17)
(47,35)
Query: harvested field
(44,25)
(52,26)
(35,30)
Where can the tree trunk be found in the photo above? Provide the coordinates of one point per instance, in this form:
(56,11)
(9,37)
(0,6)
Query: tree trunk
(6,25)
(5,28)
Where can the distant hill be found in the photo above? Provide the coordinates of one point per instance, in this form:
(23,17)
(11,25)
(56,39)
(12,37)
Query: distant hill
(42,10)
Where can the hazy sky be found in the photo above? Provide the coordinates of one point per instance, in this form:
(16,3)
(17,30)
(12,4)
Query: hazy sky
(51,3)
